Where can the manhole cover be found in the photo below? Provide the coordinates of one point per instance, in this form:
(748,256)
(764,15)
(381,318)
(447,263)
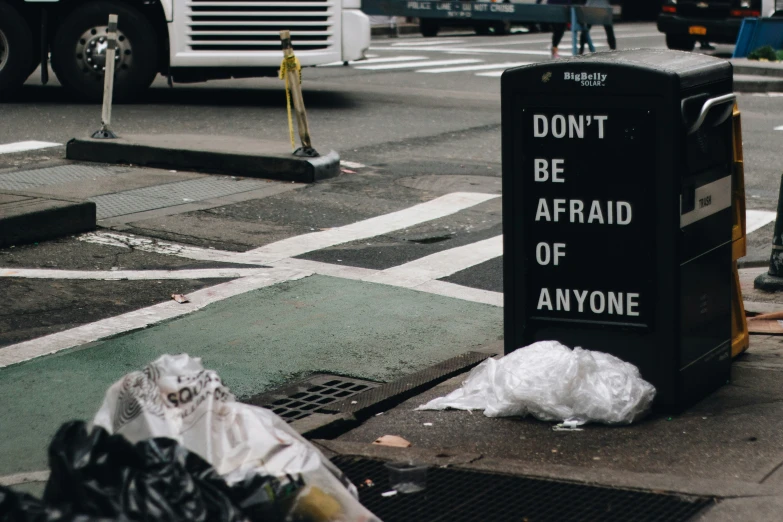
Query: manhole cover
(459,495)
(306,397)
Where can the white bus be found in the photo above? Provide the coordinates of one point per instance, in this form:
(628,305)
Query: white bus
(185,40)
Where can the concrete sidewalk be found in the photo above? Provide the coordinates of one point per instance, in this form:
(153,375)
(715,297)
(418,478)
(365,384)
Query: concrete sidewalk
(757,76)
(728,447)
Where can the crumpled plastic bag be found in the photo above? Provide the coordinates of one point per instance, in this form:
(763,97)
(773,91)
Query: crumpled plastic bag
(100,477)
(176,397)
(551,382)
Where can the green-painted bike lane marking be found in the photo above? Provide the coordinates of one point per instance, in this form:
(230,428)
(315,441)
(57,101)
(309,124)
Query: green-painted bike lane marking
(255,341)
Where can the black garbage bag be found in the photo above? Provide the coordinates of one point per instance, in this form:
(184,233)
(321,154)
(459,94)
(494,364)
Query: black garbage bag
(101,475)
(21,507)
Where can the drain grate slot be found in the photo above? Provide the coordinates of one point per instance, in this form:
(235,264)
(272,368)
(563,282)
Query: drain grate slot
(460,495)
(298,400)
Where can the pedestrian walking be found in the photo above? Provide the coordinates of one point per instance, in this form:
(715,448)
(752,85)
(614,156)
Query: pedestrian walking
(610,38)
(558,29)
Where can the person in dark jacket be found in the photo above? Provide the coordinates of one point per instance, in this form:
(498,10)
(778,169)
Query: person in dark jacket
(558,30)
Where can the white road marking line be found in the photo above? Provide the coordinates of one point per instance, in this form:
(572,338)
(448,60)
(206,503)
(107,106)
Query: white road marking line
(779,128)
(130,275)
(427,42)
(157,247)
(563,51)
(597,34)
(422,274)
(506,65)
(466,293)
(352,164)
(23,478)
(327,269)
(756,219)
(430,286)
(492,74)
(417,214)
(408,65)
(441,264)
(377,60)
(22,146)
(142,318)
(298,245)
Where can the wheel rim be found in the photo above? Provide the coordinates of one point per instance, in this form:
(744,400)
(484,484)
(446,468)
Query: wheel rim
(3,50)
(91,51)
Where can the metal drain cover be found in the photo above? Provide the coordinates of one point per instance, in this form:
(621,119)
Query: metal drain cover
(298,400)
(459,495)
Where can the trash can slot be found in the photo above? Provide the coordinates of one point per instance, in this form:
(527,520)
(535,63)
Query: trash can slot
(724,103)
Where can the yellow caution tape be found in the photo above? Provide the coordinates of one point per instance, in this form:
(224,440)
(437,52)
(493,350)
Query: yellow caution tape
(290,63)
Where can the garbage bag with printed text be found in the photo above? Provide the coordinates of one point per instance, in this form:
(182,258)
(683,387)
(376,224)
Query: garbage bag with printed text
(551,382)
(176,397)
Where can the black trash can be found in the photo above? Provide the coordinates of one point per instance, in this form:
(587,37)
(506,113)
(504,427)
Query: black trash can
(617,196)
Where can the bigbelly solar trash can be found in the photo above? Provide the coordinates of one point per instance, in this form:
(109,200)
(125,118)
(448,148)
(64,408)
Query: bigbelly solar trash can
(617,193)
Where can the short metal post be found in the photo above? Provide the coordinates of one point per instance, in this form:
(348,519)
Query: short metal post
(772,281)
(108,80)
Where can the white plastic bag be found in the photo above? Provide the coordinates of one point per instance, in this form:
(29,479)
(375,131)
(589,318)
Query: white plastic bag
(176,397)
(552,382)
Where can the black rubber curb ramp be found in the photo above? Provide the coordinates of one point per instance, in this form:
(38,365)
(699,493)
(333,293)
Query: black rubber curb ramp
(232,155)
(27,218)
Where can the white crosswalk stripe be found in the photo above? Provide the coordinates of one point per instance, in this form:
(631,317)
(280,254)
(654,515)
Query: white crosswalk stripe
(409,65)
(24,146)
(504,66)
(428,42)
(377,60)
(491,74)
(756,219)
(473,50)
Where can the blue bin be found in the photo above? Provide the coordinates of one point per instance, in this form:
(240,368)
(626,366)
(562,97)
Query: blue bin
(758,32)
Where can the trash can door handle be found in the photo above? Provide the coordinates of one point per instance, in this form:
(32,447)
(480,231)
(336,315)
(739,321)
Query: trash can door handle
(708,105)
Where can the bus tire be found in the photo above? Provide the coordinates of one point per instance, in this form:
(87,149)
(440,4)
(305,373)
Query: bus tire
(482,29)
(78,51)
(16,48)
(428,28)
(501,28)
(679,43)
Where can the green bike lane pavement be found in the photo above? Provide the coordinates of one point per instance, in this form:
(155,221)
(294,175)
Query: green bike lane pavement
(255,341)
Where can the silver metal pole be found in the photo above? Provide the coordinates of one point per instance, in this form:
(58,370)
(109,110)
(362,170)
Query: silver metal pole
(108,80)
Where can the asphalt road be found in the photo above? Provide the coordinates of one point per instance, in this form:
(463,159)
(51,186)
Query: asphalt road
(416,123)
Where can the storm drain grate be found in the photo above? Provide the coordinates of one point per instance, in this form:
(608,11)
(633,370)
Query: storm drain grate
(306,397)
(459,495)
